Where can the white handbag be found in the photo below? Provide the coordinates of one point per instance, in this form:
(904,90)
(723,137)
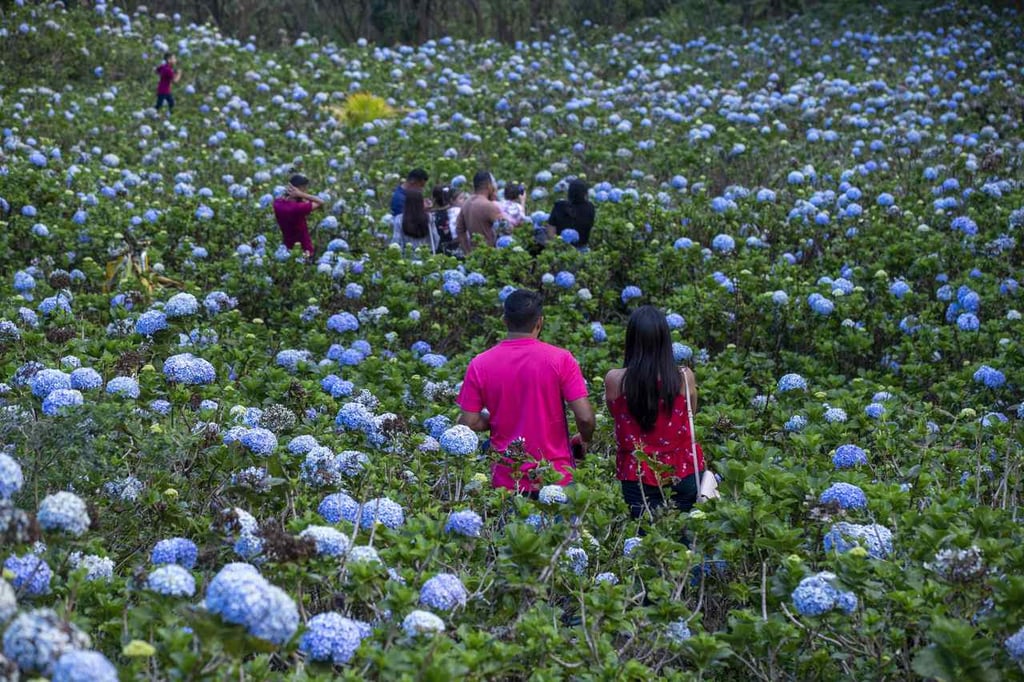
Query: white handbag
(707,484)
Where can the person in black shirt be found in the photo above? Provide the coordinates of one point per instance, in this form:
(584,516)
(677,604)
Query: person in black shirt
(576,213)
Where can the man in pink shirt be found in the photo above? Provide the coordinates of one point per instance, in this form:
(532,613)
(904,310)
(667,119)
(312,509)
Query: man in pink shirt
(524,385)
(168,76)
(291,211)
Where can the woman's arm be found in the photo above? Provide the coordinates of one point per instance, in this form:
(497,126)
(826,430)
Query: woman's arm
(612,386)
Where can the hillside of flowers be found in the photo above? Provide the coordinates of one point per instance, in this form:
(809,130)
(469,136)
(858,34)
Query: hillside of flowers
(220,462)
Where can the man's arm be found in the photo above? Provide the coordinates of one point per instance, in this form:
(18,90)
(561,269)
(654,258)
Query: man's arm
(177,76)
(478,421)
(462,233)
(311,198)
(586,421)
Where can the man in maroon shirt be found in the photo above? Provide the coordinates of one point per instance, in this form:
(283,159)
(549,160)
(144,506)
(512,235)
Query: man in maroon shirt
(167,76)
(291,211)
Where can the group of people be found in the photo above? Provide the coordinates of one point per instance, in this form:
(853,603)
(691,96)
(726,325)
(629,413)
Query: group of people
(519,389)
(448,220)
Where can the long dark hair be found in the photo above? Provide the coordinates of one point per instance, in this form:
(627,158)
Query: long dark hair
(652,378)
(415,221)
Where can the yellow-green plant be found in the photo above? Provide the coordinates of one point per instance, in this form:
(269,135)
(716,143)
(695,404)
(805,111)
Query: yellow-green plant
(361,108)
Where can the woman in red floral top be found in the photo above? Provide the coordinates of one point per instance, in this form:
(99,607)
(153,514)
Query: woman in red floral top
(654,458)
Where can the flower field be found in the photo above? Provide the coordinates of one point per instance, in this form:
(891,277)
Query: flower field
(222,462)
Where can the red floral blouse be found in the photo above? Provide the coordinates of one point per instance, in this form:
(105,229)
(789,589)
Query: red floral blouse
(668,443)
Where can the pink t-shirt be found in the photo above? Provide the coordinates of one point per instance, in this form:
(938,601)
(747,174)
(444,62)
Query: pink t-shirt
(525,384)
(166,72)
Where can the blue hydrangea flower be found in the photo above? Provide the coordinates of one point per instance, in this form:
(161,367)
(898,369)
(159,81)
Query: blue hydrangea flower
(965,225)
(723,243)
(465,522)
(422,623)
(217,302)
(240,595)
(606,577)
(60,399)
(816,595)
(355,417)
(835,415)
(248,546)
(820,305)
(443,592)
(846,495)
(681,352)
(342,322)
(300,445)
(577,560)
(11,476)
(565,279)
(552,494)
(434,360)
(189,370)
(96,567)
(126,387)
(990,377)
(437,425)
(598,332)
(290,358)
(338,507)
(848,456)
(968,322)
(569,236)
(37,639)
(171,580)
(65,512)
(46,381)
(795,424)
(875,410)
(630,546)
(875,538)
(899,288)
(53,304)
(181,551)
(675,321)
(791,382)
(459,440)
(151,322)
(330,637)
(181,305)
(631,292)
(31,575)
(329,541)
(259,441)
(84,666)
(1015,646)
(382,510)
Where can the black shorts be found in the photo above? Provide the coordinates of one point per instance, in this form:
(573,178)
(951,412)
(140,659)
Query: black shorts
(160,99)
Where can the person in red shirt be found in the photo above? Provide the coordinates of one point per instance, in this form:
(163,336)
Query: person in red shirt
(291,210)
(648,401)
(168,76)
(518,391)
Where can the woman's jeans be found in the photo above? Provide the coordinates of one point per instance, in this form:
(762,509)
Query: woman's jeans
(642,497)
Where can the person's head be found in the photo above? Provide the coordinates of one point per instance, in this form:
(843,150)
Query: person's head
(652,377)
(524,312)
(417,179)
(415,220)
(513,191)
(577,192)
(483,183)
(442,195)
(170,58)
(299,182)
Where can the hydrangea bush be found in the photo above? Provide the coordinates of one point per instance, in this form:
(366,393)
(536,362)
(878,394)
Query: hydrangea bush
(219,461)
